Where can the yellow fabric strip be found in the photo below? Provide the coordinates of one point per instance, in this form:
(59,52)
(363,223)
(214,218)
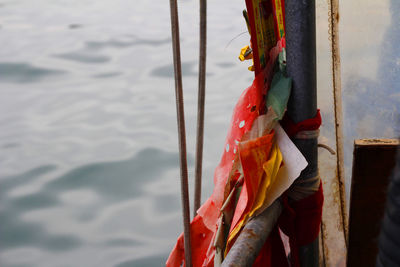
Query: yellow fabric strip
(271,168)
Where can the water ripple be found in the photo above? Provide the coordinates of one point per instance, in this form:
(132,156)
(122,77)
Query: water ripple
(114,43)
(25,73)
(167,71)
(16,232)
(82,57)
(119,179)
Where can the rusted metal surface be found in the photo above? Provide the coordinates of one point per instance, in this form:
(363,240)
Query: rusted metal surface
(380,142)
(200,104)
(373,163)
(332,232)
(181,130)
(252,238)
(337,96)
(321,250)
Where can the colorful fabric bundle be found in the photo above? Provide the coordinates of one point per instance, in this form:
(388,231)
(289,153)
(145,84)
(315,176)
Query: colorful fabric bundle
(204,226)
(259,162)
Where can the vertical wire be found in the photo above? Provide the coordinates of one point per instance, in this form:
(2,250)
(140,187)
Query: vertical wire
(181,130)
(200,104)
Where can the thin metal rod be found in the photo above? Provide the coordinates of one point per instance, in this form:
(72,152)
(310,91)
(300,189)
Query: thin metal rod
(337,95)
(181,130)
(250,241)
(200,105)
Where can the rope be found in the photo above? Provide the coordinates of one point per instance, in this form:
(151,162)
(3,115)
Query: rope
(200,104)
(298,191)
(181,130)
(307,134)
(309,183)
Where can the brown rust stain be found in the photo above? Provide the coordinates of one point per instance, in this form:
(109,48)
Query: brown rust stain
(376,142)
(250,233)
(324,238)
(337,95)
(332,233)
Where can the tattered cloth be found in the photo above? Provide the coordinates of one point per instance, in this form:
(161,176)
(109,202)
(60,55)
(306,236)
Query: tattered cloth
(299,220)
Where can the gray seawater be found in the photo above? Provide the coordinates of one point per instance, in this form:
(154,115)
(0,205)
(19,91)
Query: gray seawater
(88,138)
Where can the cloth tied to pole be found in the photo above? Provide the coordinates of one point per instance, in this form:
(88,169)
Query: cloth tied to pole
(300,220)
(261,160)
(204,226)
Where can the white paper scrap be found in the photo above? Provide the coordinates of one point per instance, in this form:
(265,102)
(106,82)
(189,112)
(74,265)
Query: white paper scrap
(293,163)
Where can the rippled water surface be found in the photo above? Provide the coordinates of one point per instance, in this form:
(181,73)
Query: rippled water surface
(88,144)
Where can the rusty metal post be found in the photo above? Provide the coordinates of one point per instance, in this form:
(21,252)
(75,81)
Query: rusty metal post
(301,67)
(181,130)
(200,105)
(250,241)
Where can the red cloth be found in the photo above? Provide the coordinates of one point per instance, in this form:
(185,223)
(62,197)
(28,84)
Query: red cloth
(201,236)
(273,252)
(204,225)
(293,128)
(300,221)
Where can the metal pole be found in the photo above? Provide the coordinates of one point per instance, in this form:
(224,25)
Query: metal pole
(250,241)
(301,58)
(181,130)
(301,67)
(200,104)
